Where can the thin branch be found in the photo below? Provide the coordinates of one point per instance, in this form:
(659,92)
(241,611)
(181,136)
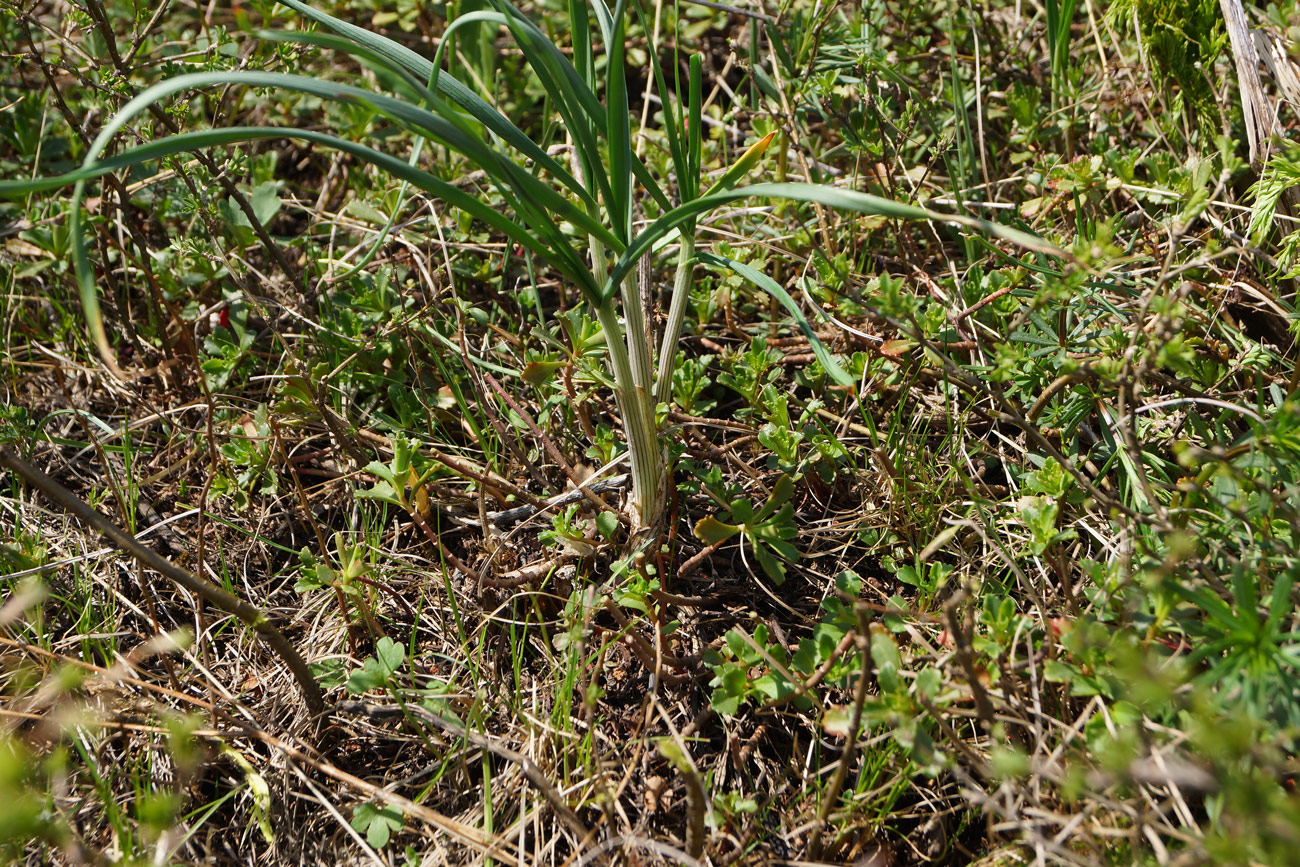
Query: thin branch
(205,590)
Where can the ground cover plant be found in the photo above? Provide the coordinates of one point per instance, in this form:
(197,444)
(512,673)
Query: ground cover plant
(650,434)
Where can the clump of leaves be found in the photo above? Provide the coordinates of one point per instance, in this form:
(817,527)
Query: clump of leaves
(377,671)
(768,529)
(1185,39)
(376,822)
(540,195)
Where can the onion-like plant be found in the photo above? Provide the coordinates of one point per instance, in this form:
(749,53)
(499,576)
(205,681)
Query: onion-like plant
(595,195)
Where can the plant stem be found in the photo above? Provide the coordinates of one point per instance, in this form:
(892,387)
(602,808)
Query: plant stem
(676,314)
(636,404)
(629,361)
(193,583)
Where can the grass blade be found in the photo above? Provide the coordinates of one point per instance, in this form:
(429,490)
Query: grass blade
(771,287)
(618,131)
(422,69)
(525,188)
(564,259)
(834,197)
(695,131)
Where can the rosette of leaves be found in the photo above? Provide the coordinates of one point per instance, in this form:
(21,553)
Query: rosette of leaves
(767,529)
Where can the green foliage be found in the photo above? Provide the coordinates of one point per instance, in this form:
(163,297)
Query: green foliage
(1184,39)
(249,451)
(377,823)
(400,481)
(734,682)
(1060,488)
(768,529)
(1281,174)
(377,671)
(25,816)
(316,574)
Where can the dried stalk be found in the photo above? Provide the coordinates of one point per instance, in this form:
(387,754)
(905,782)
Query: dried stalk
(205,590)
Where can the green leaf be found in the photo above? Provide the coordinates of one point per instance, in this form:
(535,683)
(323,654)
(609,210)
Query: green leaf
(618,130)
(377,823)
(711,531)
(928,681)
(364,679)
(1056,671)
(377,670)
(742,166)
(384,472)
(258,790)
(771,287)
(833,197)
(885,656)
(401,57)
(607,524)
(781,491)
(773,566)
(265,201)
(384,492)
(389,654)
(1039,515)
(849,583)
(694,107)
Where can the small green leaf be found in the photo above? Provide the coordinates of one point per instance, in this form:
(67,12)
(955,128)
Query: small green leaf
(884,653)
(781,491)
(536,373)
(383,471)
(774,568)
(711,531)
(378,823)
(306,583)
(265,200)
(376,671)
(363,680)
(928,682)
(1039,514)
(258,790)
(385,492)
(1056,671)
(607,524)
(849,583)
(724,703)
(390,655)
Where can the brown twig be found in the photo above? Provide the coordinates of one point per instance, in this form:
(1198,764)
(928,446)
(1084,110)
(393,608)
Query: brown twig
(832,793)
(694,562)
(966,659)
(205,590)
(451,558)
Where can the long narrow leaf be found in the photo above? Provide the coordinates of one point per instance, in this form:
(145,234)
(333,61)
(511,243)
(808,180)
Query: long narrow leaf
(573,98)
(580,35)
(773,288)
(448,84)
(551,54)
(674,124)
(742,166)
(526,187)
(619,131)
(695,106)
(368,57)
(845,200)
(565,260)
